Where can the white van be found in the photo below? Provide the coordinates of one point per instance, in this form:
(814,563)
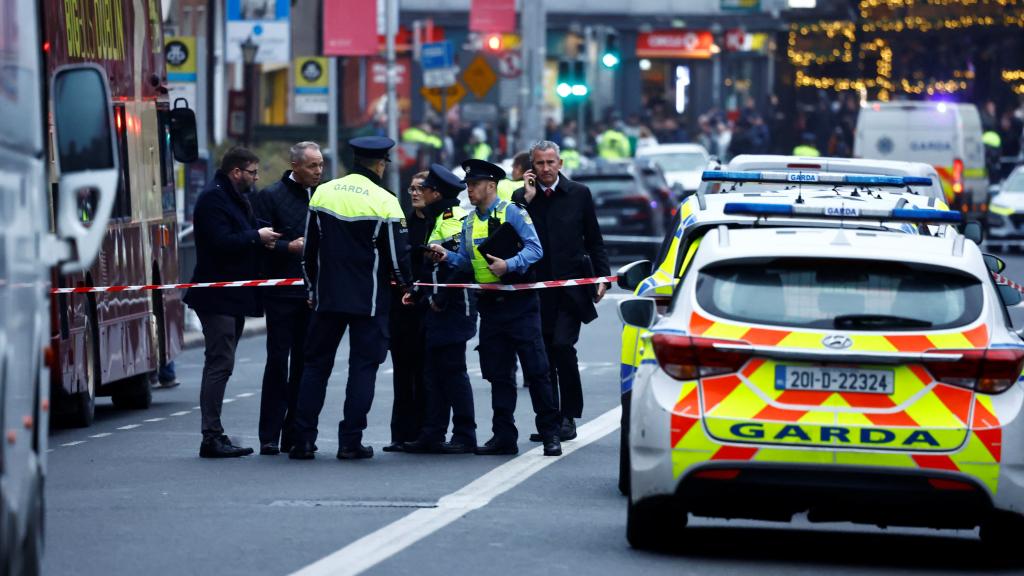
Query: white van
(946,135)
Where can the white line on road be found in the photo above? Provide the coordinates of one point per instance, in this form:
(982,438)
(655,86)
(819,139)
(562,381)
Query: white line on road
(244,395)
(182,413)
(229,400)
(196,407)
(100,435)
(129,427)
(374,548)
(75,443)
(154,419)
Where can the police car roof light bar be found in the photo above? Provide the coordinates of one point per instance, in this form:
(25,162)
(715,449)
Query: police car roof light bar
(830,178)
(918,215)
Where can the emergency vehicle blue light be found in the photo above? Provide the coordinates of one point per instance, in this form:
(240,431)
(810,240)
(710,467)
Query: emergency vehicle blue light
(824,178)
(926,215)
(757,209)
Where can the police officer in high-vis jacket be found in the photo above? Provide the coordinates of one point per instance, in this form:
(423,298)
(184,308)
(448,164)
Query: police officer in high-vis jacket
(356,244)
(509,321)
(450,321)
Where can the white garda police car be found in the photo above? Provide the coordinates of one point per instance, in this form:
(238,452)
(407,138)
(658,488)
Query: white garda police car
(856,375)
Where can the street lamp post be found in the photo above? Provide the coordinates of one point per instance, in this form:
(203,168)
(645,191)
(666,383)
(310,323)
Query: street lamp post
(249,49)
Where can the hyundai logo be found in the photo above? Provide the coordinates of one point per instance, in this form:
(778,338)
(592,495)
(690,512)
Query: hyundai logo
(837,342)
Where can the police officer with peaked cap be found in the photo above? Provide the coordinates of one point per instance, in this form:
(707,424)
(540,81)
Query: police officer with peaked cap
(450,321)
(356,243)
(509,321)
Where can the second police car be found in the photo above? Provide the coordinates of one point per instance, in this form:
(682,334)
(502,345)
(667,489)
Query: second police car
(854,374)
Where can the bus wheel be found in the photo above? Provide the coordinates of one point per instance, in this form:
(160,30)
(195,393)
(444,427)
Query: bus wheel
(133,393)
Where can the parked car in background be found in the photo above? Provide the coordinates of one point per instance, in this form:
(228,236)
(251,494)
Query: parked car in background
(633,203)
(1006,214)
(682,164)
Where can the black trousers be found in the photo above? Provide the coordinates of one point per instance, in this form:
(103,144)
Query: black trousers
(449,395)
(368,347)
(287,323)
(220,334)
(561,330)
(510,325)
(407,348)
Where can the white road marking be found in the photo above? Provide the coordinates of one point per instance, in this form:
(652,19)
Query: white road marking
(154,420)
(245,395)
(48,450)
(245,360)
(100,435)
(197,407)
(129,427)
(75,443)
(374,548)
(229,400)
(182,413)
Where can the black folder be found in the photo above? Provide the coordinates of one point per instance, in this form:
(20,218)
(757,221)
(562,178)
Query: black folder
(503,243)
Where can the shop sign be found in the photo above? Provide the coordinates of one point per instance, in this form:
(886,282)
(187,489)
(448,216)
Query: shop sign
(741,41)
(675,44)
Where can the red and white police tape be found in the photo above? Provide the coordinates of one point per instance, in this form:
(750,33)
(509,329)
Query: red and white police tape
(299,282)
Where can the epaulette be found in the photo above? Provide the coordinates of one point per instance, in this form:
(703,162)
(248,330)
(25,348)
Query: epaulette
(447,214)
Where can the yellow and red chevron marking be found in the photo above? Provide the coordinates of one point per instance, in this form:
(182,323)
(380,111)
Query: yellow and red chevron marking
(938,408)
(946,176)
(976,337)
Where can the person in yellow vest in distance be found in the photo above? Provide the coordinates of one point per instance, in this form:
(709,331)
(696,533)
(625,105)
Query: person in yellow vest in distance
(806,146)
(520,164)
(613,144)
(478,148)
(509,321)
(422,134)
(570,155)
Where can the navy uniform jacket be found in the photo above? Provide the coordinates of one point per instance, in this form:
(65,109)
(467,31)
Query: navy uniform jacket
(356,243)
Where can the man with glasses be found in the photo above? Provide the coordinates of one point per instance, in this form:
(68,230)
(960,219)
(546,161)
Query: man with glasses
(229,245)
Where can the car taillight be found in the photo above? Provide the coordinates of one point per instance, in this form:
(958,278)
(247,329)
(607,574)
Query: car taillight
(688,358)
(958,176)
(988,370)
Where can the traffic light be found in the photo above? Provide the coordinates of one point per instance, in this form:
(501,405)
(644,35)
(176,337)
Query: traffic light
(572,79)
(493,42)
(611,56)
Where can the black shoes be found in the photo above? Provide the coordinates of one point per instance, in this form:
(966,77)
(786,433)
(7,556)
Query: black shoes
(396,447)
(269,449)
(302,451)
(536,437)
(422,447)
(221,447)
(553,447)
(357,452)
(494,447)
(568,429)
(455,447)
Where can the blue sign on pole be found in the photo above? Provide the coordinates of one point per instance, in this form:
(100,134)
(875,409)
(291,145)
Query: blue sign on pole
(436,55)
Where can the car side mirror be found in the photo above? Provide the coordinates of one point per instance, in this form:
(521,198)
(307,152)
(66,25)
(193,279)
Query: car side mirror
(638,312)
(631,275)
(974,232)
(87,161)
(1010,295)
(184,135)
(994,263)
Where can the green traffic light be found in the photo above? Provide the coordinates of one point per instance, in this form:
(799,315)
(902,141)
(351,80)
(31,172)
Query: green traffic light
(610,60)
(564,89)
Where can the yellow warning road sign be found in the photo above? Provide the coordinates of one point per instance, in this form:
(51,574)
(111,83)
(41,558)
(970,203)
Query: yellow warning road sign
(433,95)
(479,76)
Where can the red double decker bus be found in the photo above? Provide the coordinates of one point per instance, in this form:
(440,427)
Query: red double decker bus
(110,343)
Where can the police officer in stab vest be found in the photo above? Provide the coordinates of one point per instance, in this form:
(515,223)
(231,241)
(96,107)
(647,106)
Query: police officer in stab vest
(356,243)
(450,321)
(509,321)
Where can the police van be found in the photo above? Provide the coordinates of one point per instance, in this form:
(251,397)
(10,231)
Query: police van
(946,135)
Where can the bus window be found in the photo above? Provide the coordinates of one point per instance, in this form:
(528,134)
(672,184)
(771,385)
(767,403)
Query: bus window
(123,201)
(166,163)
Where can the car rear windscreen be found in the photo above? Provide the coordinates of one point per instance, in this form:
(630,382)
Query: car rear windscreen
(840,294)
(679,162)
(608,185)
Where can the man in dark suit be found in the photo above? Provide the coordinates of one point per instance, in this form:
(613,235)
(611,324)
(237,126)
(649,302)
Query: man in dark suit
(563,213)
(229,245)
(283,205)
